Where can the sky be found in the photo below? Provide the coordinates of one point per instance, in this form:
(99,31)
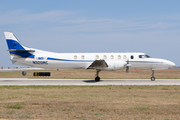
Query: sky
(63,26)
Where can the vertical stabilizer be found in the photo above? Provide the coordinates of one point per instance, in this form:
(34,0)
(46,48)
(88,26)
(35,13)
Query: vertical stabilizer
(12,42)
(15,48)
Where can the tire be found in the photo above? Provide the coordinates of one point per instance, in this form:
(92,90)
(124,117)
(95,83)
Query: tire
(152,78)
(97,79)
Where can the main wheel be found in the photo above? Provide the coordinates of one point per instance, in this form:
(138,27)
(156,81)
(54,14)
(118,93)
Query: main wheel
(97,78)
(152,78)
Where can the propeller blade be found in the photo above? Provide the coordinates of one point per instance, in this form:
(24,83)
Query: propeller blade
(127,66)
(127,69)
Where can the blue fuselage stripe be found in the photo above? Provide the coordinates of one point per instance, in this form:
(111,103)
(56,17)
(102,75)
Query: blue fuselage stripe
(49,58)
(145,61)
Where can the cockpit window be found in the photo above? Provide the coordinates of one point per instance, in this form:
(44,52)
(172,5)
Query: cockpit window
(144,56)
(147,56)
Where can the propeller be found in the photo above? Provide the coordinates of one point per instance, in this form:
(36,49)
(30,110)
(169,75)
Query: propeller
(127,66)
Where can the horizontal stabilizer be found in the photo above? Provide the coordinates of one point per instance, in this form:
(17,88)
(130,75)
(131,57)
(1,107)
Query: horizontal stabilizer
(13,50)
(98,64)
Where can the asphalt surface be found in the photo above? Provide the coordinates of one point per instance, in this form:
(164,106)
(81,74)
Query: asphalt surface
(26,81)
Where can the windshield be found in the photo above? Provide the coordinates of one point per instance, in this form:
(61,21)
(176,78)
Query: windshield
(147,56)
(144,56)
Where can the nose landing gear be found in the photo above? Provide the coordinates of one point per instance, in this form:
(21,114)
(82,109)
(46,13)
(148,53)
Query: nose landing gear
(97,75)
(152,78)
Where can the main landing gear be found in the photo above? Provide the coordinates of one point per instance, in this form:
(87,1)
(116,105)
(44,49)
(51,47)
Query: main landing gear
(97,75)
(152,78)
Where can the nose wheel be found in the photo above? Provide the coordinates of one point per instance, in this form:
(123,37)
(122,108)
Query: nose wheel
(152,78)
(97,75)
(97,78)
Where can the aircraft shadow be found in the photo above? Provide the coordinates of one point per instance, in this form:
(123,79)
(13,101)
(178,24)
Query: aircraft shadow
(91,81)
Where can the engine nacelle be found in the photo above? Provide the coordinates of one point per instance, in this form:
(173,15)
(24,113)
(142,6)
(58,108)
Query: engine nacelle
(115,65)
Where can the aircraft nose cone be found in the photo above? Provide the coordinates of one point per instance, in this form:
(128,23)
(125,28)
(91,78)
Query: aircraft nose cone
(171,64)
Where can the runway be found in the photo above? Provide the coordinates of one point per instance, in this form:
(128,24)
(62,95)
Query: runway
(26,81)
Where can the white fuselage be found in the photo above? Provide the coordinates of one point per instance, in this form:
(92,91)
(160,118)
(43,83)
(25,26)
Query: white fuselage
(115,61)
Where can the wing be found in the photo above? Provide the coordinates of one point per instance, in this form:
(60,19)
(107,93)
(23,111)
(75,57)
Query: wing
(98,64)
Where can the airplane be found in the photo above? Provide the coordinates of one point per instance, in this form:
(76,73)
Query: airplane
(22,55)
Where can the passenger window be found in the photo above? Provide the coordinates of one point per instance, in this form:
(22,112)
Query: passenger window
(75,57)
(97,57)
(119,57)
(124,57)
(82,57)
(112,57)
(132,57)
(105,57)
